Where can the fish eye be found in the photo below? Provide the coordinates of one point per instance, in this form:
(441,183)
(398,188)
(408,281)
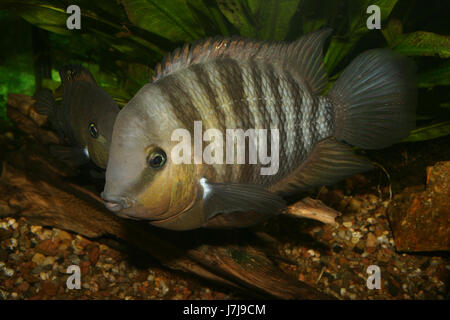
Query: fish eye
(157,159)
(93,130)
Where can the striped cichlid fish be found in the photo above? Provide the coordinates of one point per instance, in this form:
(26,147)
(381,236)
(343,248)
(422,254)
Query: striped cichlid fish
(238,83)
(85,119)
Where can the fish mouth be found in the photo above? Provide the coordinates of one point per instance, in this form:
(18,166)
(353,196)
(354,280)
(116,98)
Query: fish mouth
(115,203)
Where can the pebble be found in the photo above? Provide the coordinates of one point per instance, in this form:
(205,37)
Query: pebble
(347,224)
(371,240)
(355,204)
(44,275)
(49,261)
(311,253)
(38,258)
(164,288)
(8,272)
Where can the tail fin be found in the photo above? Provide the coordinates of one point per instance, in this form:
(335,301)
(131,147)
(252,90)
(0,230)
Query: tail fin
(374,100)
(45,102)
(70,73)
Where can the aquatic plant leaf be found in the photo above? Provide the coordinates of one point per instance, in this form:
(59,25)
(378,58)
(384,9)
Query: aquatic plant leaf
(51,15)
(170,19)
(260,19)
(393,31)
(273,17)
(104,29)
(42,14)
(422,43)
(429,132)
(357,27)
(315,14)
(208,14)
(439,76)
(239,14)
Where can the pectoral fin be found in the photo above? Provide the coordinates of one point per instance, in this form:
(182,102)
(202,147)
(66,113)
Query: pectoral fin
(234,197)
(73,155)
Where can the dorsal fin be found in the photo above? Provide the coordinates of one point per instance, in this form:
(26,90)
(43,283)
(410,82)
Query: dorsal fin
(70,73)
(303,55)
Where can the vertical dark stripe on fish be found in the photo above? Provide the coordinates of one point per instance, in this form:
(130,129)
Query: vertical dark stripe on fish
(232,80)
(204,81)
(250,172)
(297,95)
(280,112)
(180,101)
(256,77)
(314,116)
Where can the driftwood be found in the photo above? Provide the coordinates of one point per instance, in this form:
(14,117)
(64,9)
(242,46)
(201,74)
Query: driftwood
(38,187)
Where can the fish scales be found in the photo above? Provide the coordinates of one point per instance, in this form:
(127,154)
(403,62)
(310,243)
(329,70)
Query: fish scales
(257,95)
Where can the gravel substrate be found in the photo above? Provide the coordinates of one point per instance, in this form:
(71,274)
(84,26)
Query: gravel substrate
(335,258)
(34,261)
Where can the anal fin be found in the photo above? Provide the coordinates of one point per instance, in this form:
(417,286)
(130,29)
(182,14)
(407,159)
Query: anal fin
(329,162)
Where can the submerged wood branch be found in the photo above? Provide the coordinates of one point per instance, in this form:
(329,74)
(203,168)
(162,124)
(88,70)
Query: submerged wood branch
(38,187)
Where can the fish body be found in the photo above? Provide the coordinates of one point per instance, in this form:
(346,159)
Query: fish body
(244,84)
(85,118)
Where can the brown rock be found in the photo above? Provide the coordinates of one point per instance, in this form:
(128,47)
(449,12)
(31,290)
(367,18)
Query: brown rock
(420,220)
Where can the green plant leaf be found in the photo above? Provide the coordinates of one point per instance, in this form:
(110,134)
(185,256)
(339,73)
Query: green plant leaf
(315,14)
(439,76)
(208,14)
(268,19)
(423,43)
(393,31)
(170,19)
(429,132)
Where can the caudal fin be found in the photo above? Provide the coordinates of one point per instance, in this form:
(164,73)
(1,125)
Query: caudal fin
(375,100)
